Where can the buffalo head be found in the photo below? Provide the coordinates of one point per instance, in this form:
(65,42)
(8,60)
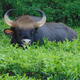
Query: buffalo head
(23,28)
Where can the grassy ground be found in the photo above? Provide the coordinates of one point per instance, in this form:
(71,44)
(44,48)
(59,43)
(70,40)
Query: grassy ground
(50,61)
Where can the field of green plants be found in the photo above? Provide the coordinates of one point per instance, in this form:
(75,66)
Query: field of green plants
(51,61)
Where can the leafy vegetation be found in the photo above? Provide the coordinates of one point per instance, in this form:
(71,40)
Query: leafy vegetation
(51,61)
(67,11)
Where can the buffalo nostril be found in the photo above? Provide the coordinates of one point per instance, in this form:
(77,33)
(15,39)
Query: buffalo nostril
(29,41)
(23,41)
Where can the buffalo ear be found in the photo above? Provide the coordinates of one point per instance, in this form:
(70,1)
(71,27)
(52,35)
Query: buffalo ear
(8,31)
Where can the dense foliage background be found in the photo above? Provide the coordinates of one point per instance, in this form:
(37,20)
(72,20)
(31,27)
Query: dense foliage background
(67,11)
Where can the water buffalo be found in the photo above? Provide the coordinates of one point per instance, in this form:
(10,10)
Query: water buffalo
(29,29)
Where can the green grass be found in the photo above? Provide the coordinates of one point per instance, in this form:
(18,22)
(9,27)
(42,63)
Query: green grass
(53,61)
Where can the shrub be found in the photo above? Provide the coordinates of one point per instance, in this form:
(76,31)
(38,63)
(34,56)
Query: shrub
(1,11)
